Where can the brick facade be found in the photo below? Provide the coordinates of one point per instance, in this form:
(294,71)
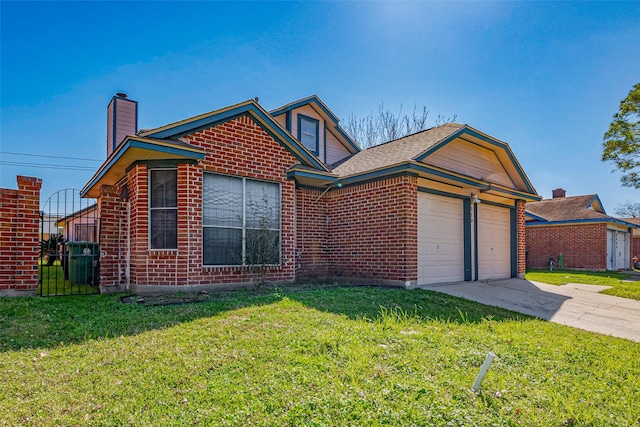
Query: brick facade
(19,245)
(373,231)
(312,238)
(635,247)
(364,231)
(112,239)
(239,147)
(583,246)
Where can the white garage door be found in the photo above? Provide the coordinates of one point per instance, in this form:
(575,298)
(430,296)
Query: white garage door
(494,242)
(622,251)
(618,248)
(440,239)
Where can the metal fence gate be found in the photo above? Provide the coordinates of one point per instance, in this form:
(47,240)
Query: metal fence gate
(69,262)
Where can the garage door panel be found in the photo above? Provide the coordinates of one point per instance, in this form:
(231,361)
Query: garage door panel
(440,239)
(494,242)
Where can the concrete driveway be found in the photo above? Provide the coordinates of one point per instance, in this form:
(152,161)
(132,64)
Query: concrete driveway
(580,306)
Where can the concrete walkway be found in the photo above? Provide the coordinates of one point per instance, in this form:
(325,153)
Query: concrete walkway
(580,306)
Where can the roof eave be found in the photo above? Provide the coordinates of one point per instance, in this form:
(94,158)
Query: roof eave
(583,220)
(422,170)
(466,129)
(131,150)
(310,178)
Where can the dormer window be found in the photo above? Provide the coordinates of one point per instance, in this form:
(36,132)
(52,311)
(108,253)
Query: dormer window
(308,133)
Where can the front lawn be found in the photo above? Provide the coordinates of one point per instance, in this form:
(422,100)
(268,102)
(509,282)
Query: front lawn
(621,284)
(335,357)
(51,281)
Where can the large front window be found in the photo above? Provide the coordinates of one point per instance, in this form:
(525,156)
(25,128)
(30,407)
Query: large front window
(241,221)
(163,227)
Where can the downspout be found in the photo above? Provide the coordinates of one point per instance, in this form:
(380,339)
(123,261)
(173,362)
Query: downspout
(475,241)
(127,273)
(188,261)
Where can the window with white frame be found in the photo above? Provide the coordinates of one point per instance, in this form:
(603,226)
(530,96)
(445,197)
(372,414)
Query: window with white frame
(308,132)
(241,221)
(163,209)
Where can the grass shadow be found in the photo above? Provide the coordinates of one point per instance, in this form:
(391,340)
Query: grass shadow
(373,302)
(37,322)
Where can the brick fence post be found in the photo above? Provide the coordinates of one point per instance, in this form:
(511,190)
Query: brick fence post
(19,244)
(27,244)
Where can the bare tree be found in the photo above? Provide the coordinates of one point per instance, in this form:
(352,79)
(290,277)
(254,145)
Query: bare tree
(628,210)
(384,126)
(262,237)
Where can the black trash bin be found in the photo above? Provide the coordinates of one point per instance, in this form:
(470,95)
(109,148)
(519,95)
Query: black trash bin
(82,258)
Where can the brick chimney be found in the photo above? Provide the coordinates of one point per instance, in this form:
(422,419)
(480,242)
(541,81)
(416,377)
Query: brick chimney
(558,193)
(122,120)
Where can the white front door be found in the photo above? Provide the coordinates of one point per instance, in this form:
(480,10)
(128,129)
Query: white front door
(440,239)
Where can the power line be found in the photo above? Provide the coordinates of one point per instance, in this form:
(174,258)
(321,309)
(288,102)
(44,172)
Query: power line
(49,166)
(50,157)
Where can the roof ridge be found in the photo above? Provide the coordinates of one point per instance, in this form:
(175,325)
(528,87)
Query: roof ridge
(458,126)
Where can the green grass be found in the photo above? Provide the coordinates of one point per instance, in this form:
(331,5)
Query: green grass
(335,357)
(621,284)
(52,282)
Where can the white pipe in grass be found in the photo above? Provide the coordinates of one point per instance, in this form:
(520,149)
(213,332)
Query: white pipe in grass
(483,371)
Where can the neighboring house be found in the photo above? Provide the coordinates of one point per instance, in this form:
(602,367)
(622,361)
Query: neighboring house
(80,226)
(635,238)
(48,226)
(184,206)
(578,228)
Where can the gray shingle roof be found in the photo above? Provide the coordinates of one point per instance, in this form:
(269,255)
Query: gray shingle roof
(396,151)
(565,208)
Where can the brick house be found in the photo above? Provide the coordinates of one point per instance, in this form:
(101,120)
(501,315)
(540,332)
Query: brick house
(635,238)
(578,228)
(183,206)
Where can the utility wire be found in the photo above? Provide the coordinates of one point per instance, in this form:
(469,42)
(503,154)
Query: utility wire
(48,166)
(50,157)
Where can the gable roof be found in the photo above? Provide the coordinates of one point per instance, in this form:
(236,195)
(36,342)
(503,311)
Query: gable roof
(414,150)
(253,109)
(316,103)
(396,151)
(163,144)
(585,208)
(567,208)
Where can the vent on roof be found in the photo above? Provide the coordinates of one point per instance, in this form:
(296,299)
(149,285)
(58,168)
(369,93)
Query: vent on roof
(122,120)
(558,193)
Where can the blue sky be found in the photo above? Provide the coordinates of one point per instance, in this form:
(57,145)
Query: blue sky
(545,77)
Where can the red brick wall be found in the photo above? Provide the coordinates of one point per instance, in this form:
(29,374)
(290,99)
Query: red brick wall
(138,217)
(582,245)
(635,247)
(239,147)
(113,227)
(312,237)
(19,231)
(373,230)
(521,231)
